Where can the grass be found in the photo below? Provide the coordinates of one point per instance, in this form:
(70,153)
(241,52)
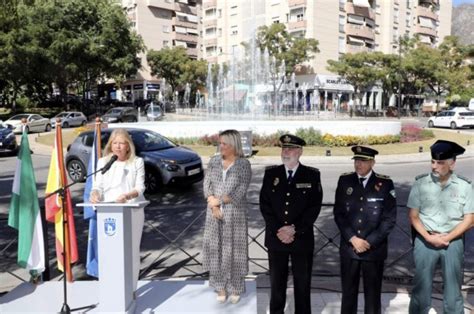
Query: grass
(386,149)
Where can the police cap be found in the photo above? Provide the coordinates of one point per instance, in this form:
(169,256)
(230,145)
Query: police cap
(288,140)
(364,153)
(442,150)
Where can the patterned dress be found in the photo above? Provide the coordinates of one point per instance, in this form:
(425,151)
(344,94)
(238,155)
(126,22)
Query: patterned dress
(225,248)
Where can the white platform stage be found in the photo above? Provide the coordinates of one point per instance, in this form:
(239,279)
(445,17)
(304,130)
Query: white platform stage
(160,296)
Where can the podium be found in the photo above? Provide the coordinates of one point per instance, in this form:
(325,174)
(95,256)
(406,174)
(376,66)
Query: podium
(115,223)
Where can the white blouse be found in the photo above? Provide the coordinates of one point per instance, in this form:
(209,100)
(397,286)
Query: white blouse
(122,177)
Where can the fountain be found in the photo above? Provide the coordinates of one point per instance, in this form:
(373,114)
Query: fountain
(253,91)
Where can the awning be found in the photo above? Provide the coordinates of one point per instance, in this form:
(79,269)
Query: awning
(355,19)
(361,3)
(426,22)
(353,39)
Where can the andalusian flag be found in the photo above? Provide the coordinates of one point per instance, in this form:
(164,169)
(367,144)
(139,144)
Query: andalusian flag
(54,208)
(92,262)
(24,214)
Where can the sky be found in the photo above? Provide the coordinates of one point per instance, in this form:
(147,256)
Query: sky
(458,2)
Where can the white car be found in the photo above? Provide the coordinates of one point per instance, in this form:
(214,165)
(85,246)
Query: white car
(34,123)
(70,118)
(455,118)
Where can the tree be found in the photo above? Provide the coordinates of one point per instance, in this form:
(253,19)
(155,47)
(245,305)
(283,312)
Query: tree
(360,70)
(177,68)
(285,50)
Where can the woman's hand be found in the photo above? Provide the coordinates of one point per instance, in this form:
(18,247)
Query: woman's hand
(95,197)
(123,198)
(217,212)
(213,201)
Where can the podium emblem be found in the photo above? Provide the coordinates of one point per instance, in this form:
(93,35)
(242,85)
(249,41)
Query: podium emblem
(109,226)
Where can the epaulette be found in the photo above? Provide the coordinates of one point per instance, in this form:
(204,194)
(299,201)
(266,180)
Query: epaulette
(378,175)
(464,178)
(270,167)
(421,176)
(347,173)
(313,169)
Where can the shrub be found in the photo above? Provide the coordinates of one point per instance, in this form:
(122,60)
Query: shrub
(413,133)
(311,136)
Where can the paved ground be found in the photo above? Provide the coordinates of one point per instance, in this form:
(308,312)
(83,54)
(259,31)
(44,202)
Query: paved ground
(182,257)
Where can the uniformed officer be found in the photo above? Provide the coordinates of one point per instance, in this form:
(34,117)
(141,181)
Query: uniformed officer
(441,209)
(290,202)
(365,212)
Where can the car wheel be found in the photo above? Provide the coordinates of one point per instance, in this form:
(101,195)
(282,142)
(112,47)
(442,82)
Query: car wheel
(65,125)
(453,125)
(47,128)
(76,170)
(153,181)
(430,124)
(83,123)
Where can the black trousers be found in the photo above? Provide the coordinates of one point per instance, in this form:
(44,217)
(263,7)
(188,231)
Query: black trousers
(301,267)
(372,272)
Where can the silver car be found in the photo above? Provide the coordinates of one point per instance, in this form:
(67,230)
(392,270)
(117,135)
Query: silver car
(34,123)
(70,118)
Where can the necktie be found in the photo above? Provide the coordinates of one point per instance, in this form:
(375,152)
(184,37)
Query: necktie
(290,176)
(361,181)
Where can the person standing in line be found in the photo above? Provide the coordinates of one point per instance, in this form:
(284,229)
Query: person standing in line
(365,211)
(123,182)
(290,202)
(441,210)
(225,248)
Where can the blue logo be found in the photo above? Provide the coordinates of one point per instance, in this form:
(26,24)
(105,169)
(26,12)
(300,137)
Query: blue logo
(109,226)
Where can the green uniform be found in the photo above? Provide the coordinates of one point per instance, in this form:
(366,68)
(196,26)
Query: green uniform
(441,209)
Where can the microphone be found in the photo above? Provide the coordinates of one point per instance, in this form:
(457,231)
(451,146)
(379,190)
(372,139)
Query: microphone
(109,164)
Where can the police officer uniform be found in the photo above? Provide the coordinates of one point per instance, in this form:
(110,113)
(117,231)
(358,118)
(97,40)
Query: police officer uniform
(440,209)
(287,200)
(368,211)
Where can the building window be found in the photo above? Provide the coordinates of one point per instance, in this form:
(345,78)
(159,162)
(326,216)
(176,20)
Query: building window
(233,30)
(166,29)
(342,22)
(210,32)
(233,10)
(166,43)
(210,13)
(342,5)
(342,44)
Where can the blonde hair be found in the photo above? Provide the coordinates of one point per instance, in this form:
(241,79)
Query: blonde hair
(126,136)
(232,138)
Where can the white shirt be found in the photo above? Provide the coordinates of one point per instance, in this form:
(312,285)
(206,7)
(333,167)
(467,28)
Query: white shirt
(366,178)
(294,170)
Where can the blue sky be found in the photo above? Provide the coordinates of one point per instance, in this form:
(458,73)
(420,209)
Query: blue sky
(458,2)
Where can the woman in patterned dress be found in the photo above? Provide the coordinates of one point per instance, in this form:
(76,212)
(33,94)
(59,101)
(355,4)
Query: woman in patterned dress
(225,249)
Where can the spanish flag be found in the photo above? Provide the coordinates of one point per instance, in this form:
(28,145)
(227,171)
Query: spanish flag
(66,252)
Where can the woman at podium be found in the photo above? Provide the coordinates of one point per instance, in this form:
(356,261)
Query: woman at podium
(225,249)
(122,180)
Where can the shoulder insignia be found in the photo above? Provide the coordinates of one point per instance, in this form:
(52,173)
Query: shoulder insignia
(378,175)
(421,176)
(270,167)
(464,178)
(347,173)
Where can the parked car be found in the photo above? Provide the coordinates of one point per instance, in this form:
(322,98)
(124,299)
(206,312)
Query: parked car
(165,162)
(8,143)
(34,123)
(455,118)
(121,114)
(69,118)
(153,112)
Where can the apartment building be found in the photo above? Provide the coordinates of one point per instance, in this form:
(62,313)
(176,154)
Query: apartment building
(161,23)
(340,26)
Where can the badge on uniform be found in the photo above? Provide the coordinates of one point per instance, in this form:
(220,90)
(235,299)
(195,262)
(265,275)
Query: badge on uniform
(349,191)
(276,181)
(377,186)
(303,185)
(392,192)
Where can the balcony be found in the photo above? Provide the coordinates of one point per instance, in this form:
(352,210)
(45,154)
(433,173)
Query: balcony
(209,23)
(360,31)
(176,21)
(185,8)
(162,4)
(210,42)
(192,52)
(366,12)
(356,48)
(186,38)
(426,12)
(292,26)
(209,4)
(296,3)
(429,2)
(426,31)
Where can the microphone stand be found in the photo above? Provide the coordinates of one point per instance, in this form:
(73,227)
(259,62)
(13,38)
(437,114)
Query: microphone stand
(62,192)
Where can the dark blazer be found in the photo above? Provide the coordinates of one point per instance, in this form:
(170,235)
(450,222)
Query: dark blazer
(368,213)
(297,203)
